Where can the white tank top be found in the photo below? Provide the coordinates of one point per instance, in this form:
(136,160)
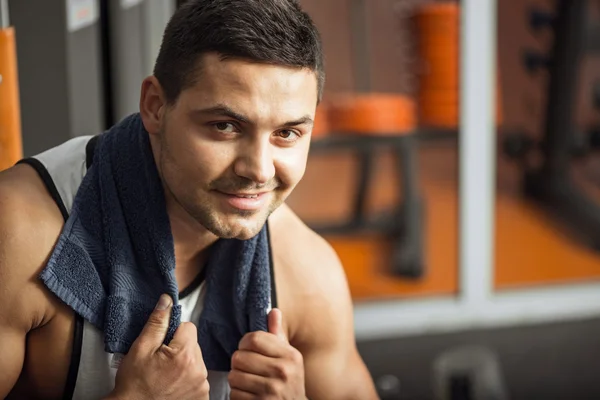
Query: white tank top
(91,374)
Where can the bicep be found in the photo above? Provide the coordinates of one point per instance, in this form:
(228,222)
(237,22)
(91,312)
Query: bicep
(12,349)
(13,322)
(334,370)
(18,302)
(337,374)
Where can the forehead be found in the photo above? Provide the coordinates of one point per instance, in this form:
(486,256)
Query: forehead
(251,86)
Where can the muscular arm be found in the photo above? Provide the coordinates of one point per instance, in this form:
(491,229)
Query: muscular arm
(13,323)
(12,347)
(21,301)
(333,367)
(320,310)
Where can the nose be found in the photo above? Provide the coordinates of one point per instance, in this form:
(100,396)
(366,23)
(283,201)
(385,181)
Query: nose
(255,161)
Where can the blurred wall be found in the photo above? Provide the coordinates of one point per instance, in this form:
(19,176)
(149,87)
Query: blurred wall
(393,63)
(60,74)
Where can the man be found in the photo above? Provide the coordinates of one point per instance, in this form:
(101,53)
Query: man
(230,106)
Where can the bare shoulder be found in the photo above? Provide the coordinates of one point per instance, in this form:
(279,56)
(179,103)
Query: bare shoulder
(35,327)
(309,275)
(30,224)
(303,254)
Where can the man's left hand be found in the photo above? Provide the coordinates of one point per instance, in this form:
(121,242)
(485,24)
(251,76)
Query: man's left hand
(266,366)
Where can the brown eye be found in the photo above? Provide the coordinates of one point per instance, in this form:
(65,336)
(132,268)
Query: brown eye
(226,127)
(289,135)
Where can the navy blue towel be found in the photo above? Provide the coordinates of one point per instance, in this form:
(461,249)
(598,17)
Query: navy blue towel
(115,256)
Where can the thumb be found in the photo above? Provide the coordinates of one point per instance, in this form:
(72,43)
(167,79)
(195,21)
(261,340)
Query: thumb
(276,324)
(154,332)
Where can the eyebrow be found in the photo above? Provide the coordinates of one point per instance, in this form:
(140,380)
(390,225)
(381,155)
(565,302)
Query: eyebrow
(306,120)
(223,110)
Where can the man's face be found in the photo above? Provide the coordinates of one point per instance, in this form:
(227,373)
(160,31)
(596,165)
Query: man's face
(234,146)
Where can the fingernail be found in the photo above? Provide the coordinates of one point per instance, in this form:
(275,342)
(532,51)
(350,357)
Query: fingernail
(164,302)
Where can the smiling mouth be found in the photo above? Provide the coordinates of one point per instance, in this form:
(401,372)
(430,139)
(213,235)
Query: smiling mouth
(244,201)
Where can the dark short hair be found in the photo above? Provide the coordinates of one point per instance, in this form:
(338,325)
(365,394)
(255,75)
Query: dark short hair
(276,32)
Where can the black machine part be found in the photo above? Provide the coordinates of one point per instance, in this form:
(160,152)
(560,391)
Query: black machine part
(551,184)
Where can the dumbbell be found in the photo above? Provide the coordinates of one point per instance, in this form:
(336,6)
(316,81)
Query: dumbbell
(539,19)
(594,133)
(517,146)
(596,95)
(469,372)
(594,138)
(388,387)
(580,144)
(534,60)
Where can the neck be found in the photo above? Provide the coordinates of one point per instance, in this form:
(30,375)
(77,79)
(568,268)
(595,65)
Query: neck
(191,239)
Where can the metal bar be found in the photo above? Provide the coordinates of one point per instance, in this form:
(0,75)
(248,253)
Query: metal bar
(359,31)
(365,161)
(408,259)
(4,18)
(408,165)
(347,142)
(403,317)
(477,152)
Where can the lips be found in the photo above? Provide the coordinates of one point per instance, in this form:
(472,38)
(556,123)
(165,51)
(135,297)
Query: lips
(244,201)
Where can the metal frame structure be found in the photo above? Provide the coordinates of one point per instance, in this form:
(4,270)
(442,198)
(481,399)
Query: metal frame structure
(404,223)
(477,305)
(551,184)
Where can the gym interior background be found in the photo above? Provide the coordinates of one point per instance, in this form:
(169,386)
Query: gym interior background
(454,168)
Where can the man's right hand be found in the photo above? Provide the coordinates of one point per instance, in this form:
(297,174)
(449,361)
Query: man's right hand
(152,370)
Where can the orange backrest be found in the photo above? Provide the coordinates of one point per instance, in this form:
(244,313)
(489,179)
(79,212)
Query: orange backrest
(372,114)
(11,149)
(321,127)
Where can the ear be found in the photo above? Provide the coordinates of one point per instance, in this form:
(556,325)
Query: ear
(152,104)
